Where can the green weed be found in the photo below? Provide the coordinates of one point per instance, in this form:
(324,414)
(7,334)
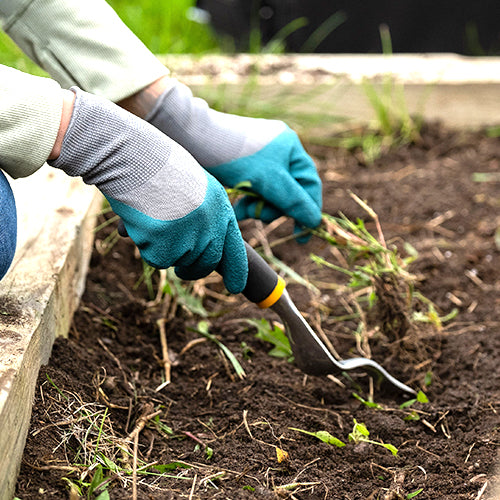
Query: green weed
(377,276)
(393,125)
(183,292)
(324,436)
(203,329)
(275,336)
(97,457)
(368,404)
(361,434)
(170,286)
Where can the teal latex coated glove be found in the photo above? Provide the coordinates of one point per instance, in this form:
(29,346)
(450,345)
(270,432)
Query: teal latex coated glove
(267,153)
(176,213)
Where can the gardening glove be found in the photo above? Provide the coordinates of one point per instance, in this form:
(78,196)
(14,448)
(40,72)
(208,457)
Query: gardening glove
(176,213)
(266,153)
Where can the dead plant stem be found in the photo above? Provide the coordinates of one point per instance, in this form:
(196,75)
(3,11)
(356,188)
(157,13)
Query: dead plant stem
(167,364)
(116,360)
(134,467)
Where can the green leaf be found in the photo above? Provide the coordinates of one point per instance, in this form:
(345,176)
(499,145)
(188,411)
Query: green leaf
(413,416)
(258,208)
(428,379)
(422,398)
(360,434)
(243,185)
(290,273)
(369,404)
(324,436)
(162,468)
(390,447)
(109,464)
(359,431)
(410,249)
(275,336)
(184,295)
(414,494)
(97,479)
(408,403)
(163,427)
(103,496)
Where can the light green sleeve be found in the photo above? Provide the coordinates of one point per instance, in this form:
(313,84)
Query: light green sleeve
(30,115)
(82,43)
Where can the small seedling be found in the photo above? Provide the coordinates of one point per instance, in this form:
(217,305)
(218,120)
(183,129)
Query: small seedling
(431,315)
(209,452)
(421,398)
(163,428)
(369,404)
(184,295)
(246,350)
(360,434)
(275,336)
(174,287)
(324,436)
(97,484)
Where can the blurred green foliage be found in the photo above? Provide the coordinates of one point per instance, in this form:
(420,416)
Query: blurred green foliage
(162,25)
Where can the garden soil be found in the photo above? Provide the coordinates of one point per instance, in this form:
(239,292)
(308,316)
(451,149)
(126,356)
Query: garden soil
(227,437)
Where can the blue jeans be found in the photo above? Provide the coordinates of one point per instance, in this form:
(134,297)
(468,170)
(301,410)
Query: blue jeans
(8,225)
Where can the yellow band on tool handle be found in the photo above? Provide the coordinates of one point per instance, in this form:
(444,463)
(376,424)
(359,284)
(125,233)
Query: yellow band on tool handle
(264,287)
(271,299)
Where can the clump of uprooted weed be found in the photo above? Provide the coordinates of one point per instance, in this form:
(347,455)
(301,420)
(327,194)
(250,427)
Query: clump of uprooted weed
(380,293)
(91,455)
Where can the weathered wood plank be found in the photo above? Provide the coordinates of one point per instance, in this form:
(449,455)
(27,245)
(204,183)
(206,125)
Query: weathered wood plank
(318,92)
(38,296)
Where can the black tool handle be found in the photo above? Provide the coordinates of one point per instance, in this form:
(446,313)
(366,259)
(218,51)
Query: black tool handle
(262,280)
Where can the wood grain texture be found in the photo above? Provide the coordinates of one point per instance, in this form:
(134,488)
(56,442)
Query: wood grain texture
(38,296)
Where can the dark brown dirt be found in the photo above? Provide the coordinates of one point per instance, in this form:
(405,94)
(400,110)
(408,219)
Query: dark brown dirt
(423,194)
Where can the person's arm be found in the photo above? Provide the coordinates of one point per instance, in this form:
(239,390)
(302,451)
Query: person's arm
(30,118)
(86,44)
(82,43)
(176,213)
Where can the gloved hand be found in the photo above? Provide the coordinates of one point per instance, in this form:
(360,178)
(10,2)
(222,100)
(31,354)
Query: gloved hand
(176,213)
(235,149)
